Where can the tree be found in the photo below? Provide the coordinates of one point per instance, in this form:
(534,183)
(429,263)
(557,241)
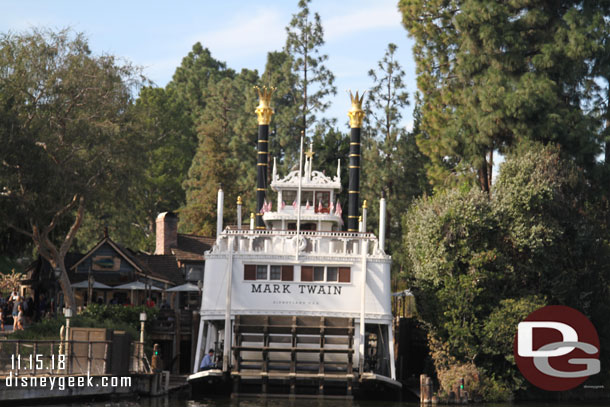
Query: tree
(392,164)
(479,265)
(315,81)
(284,126)
(495,73)
(66,138)
(220,155)
(197,71)
(170,138)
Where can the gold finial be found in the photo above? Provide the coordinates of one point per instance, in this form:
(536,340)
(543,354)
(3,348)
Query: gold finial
(359,219)
(251,215)
(264,110)
(356,114)
(239,200)
(364,204)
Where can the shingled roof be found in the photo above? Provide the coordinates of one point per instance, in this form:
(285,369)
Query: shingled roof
(192,247)
(162,266)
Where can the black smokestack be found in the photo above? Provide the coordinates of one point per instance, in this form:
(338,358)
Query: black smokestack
(264,113)
(356,114)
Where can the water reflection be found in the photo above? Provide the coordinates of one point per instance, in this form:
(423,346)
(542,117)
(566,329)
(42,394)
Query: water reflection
(182,400)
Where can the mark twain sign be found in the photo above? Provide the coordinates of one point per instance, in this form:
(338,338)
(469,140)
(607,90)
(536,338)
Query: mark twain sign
(317,289)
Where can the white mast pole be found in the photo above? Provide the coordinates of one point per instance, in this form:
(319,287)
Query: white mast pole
(299,200)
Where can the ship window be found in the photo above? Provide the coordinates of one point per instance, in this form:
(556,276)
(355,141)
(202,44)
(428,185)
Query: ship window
(289,197)
(276,273)
(261,272)
(307,196)
(249,272)
(331,274)
(306,273)
(322,197)
(318,274)
(344,274)
(287,273)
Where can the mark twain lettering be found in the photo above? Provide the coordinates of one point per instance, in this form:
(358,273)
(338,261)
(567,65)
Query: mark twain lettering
(302,289)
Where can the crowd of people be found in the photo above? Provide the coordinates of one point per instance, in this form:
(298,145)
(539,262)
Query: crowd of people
(20,311)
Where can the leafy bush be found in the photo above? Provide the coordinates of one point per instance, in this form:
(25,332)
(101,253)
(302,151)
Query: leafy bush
(481,263)
(114,317)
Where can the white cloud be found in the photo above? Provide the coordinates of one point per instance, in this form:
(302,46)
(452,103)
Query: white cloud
(246,36)
(386,16)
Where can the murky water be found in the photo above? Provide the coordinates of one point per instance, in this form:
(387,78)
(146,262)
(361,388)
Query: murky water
(182,400)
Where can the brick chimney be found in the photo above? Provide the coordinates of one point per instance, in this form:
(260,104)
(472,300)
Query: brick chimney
(167,232)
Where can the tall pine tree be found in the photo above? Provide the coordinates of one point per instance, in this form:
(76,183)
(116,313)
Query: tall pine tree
(315,82)
(494,73)
(392,164)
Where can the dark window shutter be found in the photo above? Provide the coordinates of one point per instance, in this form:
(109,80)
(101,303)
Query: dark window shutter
(287,273)
(306,273)
(249,272)
(344,274)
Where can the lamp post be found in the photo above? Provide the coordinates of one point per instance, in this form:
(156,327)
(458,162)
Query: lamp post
(141,347)
(68,315)
(91,281)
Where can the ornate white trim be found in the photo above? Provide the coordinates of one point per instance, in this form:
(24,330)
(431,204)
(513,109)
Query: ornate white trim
(291,215)
(303,258)
(317,181)
(215,314)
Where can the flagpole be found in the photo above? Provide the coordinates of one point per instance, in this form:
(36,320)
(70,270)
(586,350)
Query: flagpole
(298,237)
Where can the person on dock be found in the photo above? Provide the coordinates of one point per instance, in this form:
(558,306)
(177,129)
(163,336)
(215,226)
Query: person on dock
(2,313)
(20,317)
(207,362)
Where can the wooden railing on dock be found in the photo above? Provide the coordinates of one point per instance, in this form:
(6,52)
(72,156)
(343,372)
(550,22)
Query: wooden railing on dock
(56,357)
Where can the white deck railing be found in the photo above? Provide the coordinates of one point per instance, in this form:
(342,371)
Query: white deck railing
(331,243)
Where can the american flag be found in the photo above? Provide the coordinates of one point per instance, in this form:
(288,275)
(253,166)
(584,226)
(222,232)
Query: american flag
(320,207)
(307,206)
(283,205)
(339,211)
(294,204)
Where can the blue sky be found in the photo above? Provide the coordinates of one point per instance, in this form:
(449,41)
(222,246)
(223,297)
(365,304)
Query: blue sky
(157,35)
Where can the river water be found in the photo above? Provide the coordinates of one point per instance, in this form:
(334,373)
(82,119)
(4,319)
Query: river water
(182,400)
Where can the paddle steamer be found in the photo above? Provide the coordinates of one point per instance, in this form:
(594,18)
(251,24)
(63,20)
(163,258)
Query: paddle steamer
(297,304)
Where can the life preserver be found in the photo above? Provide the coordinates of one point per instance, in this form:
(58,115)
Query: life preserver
(301,241)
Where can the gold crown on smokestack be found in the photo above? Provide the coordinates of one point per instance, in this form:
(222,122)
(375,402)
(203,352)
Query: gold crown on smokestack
(264,111)
(356,114)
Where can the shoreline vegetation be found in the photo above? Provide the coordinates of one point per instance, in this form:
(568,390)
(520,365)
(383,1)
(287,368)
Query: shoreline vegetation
(89,144)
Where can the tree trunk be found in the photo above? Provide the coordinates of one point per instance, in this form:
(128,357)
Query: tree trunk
(64,283)
(483,177)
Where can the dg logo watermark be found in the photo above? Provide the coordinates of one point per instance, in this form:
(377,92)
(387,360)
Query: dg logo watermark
(557,348)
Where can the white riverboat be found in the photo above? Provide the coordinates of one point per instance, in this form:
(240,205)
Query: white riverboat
(294,304)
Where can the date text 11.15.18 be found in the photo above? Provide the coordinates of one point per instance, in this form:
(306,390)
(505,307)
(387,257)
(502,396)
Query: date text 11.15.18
(36,362)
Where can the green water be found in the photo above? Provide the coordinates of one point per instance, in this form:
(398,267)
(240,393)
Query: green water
(182,400)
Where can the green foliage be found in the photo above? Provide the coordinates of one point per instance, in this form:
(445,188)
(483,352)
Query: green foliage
(47,329)
(113,317)
(68,141)
(284,129)
(192,78)
(314,82)
(226,147)
(117,317)
(495,73)
(481,264)
(392,164)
